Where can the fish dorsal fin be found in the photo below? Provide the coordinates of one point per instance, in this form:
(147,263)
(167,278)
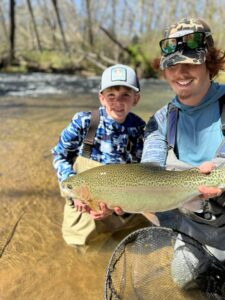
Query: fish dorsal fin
(153,165)
(193,170)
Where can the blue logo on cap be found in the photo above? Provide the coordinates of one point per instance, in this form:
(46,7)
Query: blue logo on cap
(118,74)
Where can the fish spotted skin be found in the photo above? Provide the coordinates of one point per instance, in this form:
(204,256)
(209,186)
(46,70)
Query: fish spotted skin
(138,188)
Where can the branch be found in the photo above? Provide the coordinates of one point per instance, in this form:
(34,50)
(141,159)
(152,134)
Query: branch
(95,62)
(11,234)
(112,38)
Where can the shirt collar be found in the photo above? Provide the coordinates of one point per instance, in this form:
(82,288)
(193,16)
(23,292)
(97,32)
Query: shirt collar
(110,123)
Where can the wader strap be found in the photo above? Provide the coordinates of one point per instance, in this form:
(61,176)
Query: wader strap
(89,138)
(221,150)
(172,125)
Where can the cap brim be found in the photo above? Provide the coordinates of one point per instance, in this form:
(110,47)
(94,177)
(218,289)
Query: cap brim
(197,56)
(119,83)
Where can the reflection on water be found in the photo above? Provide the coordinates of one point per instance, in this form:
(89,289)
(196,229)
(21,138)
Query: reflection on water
(35,262)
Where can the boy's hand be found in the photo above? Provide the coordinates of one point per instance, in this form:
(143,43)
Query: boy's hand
(118,211)
(206,191)
(104,212)
(80,206)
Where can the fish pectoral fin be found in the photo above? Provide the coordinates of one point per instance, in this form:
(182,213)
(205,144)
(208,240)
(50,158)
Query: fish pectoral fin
(194,204)
(151,217)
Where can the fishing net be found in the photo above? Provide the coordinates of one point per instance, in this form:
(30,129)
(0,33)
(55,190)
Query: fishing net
(144,267)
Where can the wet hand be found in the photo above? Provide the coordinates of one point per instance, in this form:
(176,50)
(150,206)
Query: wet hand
(209,191)
(102,213)
(206,167)
(118,211)
(80,206)
(206,191)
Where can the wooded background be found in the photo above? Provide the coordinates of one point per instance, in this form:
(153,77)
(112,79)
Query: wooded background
(89,35)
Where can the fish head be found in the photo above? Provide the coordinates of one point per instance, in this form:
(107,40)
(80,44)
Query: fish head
(76,188)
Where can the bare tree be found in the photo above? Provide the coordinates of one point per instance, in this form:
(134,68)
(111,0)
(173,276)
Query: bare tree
(55,5)
(89,23)
(49,21)
(34,25)
(3,23)
(12,4)
(99,32)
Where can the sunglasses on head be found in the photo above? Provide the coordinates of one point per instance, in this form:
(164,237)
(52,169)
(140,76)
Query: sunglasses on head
(189,41)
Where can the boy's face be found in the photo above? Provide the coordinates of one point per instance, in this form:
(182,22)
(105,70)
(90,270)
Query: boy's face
(118,102)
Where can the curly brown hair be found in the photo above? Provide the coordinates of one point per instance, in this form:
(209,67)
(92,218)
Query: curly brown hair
(215,61)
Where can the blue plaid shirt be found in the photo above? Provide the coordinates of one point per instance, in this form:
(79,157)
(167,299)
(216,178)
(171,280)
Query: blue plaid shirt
(110,143)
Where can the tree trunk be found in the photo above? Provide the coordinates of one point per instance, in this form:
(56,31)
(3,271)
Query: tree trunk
(55,5)
(49,21)
(12,31)
(89,24)
(34,24)
(3,23)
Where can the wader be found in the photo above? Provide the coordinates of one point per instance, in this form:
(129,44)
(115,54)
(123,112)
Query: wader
(79,228)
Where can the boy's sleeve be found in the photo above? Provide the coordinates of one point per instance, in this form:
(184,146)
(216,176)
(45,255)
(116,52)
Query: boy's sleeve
(155,142)
(68,146)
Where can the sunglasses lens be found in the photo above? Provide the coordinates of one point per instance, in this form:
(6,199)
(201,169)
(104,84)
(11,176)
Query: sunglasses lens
(168,46)
(194,40)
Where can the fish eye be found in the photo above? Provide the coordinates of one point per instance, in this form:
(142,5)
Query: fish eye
(69,186)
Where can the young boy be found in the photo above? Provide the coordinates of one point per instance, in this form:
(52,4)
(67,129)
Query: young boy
(117,138)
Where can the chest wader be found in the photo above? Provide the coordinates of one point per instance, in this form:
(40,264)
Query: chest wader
(79,228)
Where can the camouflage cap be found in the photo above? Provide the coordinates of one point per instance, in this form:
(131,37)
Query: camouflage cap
(186,56)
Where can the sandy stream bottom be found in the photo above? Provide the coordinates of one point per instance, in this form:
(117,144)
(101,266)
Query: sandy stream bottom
(35,262)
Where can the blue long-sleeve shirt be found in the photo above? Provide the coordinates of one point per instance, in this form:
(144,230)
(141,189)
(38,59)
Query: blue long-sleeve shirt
(110,143)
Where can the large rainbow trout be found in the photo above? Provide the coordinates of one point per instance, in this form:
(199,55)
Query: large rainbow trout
(138,188)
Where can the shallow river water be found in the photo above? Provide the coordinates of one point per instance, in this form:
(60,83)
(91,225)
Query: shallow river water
(35,263)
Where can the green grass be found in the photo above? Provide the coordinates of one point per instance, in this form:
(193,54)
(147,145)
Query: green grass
(49,59)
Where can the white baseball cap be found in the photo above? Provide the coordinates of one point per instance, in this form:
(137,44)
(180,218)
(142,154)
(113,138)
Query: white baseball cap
(121,75)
